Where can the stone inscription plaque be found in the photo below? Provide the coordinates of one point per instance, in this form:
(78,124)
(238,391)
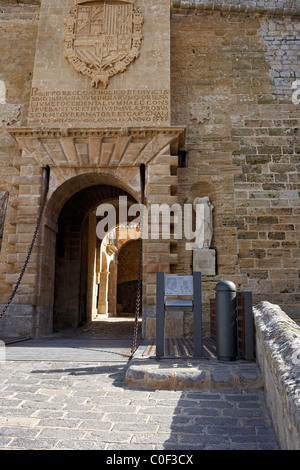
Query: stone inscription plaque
(100,106)
(102,63)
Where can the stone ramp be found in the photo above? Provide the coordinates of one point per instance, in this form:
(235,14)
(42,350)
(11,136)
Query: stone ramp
(69,349)
(183,371)
(111,341)
(102,340)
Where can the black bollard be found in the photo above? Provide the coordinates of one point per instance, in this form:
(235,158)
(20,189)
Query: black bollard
(226,327)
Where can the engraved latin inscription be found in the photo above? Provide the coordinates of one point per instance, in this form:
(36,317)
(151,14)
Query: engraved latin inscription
(100,106)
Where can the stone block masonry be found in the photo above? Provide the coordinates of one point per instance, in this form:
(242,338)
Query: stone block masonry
(278,354)
(282,41)
(230,81)
(267,201)
(271,6)
(232,76)
(63,97)
(18,33)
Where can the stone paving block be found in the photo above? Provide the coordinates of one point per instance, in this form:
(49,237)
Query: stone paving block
(4,441)
(222,377)
(19,421)
(84,406)
(61,433)
(59,423)
(15,431)
(103,436)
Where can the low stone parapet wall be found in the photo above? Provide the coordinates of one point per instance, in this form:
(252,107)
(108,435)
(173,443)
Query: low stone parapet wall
(278,354)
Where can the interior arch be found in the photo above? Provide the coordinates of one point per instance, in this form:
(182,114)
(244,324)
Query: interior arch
(85,282)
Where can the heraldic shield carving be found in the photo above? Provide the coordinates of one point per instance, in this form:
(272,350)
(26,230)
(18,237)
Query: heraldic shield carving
(103,38)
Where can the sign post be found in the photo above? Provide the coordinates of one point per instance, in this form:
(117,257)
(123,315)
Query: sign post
(179,286)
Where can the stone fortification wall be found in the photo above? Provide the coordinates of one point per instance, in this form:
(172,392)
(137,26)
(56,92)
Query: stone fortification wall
(233,66)
(18,33)
(272,6)
(232,79)
(278,354)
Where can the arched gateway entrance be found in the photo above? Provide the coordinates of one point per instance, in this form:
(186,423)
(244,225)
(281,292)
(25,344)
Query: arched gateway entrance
(87,268)
(62,286)
(87,263)
(92,134)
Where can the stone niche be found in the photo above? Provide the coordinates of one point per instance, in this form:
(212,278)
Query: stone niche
(102,64)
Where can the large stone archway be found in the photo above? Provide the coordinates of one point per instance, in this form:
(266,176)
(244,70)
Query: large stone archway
(105,162)
(88,135)
(79,278)
(115,270)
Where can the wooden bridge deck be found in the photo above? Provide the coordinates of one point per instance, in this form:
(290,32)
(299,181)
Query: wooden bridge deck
(182,347)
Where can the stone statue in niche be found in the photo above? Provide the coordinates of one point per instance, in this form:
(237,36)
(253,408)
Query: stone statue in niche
(206,220)
(3,206)
(204,258)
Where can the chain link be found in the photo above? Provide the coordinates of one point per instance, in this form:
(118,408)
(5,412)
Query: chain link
(29,252)
(139,286)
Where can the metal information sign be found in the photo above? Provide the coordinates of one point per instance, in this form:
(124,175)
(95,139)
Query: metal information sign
(179,285)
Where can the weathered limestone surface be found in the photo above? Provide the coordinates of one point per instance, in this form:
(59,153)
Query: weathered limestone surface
(194,374)
(278,353)
(62,96)
(271,6)
(232,69)
(231,85)
(18,32)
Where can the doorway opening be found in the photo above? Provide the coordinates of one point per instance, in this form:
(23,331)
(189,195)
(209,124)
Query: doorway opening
(127,281)
(94,278)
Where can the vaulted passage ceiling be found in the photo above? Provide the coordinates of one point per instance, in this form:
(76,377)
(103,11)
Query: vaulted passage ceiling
(89,198)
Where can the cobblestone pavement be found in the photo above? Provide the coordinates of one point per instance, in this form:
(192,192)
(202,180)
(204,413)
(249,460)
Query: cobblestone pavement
(78,403)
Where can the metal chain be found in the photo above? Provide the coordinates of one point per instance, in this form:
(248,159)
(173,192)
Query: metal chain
(139,286)
(29,252)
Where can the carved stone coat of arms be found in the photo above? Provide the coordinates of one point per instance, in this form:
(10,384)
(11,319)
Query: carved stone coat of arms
(103,38)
